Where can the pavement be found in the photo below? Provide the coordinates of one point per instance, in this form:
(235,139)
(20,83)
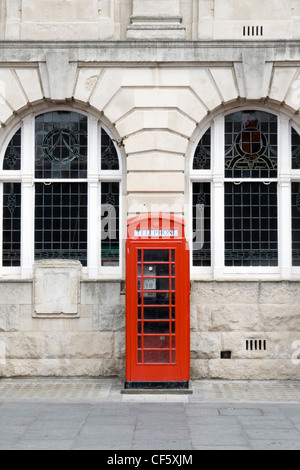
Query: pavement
(94,414)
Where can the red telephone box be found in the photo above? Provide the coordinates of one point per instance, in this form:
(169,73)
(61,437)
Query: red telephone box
(157,303)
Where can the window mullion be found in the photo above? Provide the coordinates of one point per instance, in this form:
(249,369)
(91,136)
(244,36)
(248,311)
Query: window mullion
(284,198)
(93,198)
(1,224)
(218,226)
(27,210)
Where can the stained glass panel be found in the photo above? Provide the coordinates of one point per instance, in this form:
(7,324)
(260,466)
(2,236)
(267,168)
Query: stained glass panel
(201,224)
(251,146)
(109,156)
(11,224)
(61,221)
(295,150)
(61,145)
(110,231)
(202,157)
(251,223)
(12,157)
(296,223)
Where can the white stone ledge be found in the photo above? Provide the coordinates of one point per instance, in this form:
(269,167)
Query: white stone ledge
(149,51)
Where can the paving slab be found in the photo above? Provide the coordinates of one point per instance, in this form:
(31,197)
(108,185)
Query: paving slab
(91,414)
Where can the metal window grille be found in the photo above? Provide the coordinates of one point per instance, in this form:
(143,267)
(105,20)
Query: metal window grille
(11,255)
(61,145)
(12,157)
(251,223)
(295,150)
(251,145)
(201,224)
(296,223)
(61,221)
(110,229)
(202,156)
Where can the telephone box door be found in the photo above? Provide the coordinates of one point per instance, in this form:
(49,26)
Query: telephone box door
(157,313)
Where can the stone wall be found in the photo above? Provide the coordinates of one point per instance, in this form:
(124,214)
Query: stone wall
(258,322)
(93,344)
(225,317)
(148,19)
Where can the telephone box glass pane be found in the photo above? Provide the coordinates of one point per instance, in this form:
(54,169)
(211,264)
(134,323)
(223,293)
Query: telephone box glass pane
(156,313)
(156,255)
(157,342)
(156,327)
(154,270)
(156,298)
(160,357)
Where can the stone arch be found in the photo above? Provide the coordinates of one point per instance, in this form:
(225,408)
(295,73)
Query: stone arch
(43,106)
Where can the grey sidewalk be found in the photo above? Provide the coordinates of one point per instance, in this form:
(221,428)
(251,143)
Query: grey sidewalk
(93,414)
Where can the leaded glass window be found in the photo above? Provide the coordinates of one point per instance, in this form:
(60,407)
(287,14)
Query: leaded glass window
(201,224)
(109,156)
(295,150)
(61,221)
(12,157)
(251,224)
(235,194)
(69,201)
(11,228)
(251,147)
(202,155)
(251,220)
(110,231)
(61,145)
(296,224)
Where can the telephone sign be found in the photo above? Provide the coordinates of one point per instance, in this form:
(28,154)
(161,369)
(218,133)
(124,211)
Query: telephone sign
(157,303)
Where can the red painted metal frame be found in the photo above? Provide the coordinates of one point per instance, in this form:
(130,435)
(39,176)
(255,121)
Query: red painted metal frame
(137,370)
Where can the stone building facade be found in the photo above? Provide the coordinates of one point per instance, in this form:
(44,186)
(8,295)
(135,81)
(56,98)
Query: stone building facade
(176,106)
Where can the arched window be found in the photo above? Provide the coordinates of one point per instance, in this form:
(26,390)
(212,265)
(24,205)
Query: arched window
(245,173)
(60,188)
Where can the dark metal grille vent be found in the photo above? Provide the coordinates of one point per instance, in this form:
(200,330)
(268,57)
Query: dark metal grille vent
(256,345)
(253,30)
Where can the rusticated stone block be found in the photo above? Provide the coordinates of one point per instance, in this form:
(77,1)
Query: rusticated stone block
(205,345)
(199,369)
(25,345)
(228,317)
(279,293)
(101,293)
(16,292)
(243,369)
(224,292)
(108,318)
(280,316)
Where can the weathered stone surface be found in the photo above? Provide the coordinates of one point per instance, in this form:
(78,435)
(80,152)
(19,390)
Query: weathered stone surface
(280,316)
(62,368)
(2,318)
(224,292)
(108,318)
(12,317)
(25,345)
(200,369)
(280,293)
(235,317)
(205,345)
(57,287)
(101,293)
(11,292)
(242,369)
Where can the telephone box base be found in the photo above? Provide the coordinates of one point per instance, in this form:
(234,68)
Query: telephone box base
(157,385)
